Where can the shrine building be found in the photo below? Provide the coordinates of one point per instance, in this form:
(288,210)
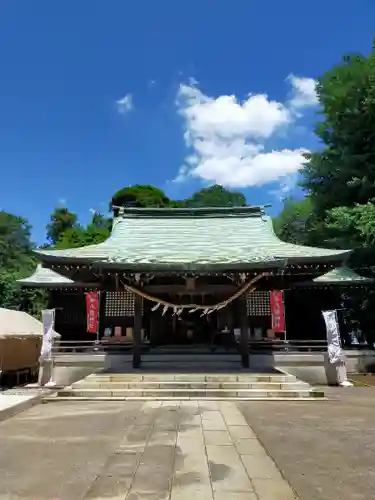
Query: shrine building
(194,276)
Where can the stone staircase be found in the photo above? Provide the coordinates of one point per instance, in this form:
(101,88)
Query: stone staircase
(167,386)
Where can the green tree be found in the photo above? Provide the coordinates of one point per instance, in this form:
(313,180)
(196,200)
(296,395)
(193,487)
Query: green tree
(354,226)
(150,196)
(140,196)
(340,179)
(15,242)
(61,221)
(295,223)
(16,262)
(343,173)
(97,231)
(215,196)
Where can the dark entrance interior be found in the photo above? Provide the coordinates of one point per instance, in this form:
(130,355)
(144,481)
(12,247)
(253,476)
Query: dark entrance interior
(303,312)
(188,328)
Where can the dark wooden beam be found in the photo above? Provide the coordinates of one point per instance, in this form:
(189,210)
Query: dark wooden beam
(137,332)
(182,289)
(244,338)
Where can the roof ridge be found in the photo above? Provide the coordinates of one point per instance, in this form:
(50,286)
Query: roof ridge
(191,211)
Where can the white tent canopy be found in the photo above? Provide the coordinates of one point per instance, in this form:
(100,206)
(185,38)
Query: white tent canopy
(20,324)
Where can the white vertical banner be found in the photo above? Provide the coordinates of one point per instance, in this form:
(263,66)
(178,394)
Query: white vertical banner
(335,352)
(48,319)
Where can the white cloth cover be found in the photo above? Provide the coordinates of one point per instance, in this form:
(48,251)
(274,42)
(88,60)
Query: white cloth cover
(335,353)
(18,324)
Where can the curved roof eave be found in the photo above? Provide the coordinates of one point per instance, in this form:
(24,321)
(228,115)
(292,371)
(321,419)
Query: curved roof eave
(43,277)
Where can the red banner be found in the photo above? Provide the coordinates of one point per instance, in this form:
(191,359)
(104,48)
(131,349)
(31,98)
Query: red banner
(277,310)
(92,311)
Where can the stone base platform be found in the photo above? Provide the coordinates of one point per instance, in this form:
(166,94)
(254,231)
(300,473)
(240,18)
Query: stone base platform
(166,386)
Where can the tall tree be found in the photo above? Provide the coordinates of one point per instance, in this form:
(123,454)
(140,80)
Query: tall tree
(17,261)
(97,231)
(15,242)
(61,221)
(343,173)
(295,223)
(340,178)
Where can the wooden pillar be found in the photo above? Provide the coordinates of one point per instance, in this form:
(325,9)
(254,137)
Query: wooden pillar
(137,340)
(244,338)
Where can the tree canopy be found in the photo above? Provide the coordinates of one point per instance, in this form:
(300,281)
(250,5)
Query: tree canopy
(140,196)
(62,220)
(16,262)
(342,173)
(339,180)
(215,196)
(152,197)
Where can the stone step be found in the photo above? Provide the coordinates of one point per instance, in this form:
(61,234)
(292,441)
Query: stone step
(172,386)
(191,393)
(145,384)
(185,377)
(159,398)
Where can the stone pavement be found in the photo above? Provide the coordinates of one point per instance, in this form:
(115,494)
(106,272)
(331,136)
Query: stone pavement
(15,400)
(153,450)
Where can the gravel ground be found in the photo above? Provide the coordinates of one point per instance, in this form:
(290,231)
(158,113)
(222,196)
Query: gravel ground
(325,449)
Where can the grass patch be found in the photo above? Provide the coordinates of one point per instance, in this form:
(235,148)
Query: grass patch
(363,379)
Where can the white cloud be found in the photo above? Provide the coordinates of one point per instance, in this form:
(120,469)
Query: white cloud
(125,104)
(304,92)
(226,136)
(62,202)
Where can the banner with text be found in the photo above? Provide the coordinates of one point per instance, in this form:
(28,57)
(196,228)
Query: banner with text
(92,311)
(277,311)
(48,320)
(335,354)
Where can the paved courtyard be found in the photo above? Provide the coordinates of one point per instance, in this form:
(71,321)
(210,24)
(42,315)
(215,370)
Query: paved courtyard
(151,450)
(179,450)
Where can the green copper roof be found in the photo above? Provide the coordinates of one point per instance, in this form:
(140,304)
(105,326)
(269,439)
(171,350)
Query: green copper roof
(342,275)
(48,278)
(192,237)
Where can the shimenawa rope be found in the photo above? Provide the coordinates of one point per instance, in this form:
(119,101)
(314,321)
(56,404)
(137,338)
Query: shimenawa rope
(207,309)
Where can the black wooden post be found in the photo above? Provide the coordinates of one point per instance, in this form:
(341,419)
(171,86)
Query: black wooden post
(137,331)
(244,338)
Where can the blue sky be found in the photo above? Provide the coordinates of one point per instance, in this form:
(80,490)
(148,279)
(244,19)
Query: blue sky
(97,95)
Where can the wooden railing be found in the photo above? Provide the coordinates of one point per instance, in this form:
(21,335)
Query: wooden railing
(255,346)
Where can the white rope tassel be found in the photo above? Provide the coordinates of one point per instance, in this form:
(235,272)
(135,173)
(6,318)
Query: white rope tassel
(165,309)
(156,307)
